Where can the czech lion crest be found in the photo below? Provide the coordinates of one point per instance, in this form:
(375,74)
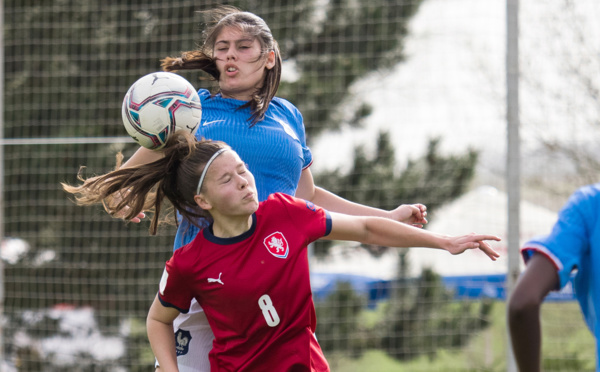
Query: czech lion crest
(277,245)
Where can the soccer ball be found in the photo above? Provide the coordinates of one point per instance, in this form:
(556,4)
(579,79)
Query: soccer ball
(157,105)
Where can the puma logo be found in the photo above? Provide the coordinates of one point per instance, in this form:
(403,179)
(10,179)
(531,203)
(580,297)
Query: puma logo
(218,280)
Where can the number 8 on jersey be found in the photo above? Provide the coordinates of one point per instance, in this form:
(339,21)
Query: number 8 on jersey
(269,312)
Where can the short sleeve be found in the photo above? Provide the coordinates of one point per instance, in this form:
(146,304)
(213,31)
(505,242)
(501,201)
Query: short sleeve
(569,241)
(308,158)
(313,220)
(174,290)
(297,123)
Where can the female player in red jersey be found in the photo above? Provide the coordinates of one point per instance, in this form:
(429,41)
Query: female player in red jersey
(249,268)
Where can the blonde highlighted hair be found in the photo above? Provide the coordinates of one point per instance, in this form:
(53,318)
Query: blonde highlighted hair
(131,190)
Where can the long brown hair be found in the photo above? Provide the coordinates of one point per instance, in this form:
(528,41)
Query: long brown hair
(202,58)
(144,187)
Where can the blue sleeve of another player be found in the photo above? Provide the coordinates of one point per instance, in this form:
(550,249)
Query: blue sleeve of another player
(569,241)
(187,231)
(297,122)
(308,158)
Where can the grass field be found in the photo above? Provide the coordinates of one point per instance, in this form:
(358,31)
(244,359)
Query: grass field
(567,346)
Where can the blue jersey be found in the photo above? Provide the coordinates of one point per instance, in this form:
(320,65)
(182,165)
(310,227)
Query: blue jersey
(274,149)
(574,244)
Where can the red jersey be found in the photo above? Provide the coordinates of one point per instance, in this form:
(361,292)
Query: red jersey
(255,288)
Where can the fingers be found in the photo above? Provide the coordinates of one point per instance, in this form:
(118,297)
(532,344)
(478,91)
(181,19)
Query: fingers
(488,250)
(480,237)
(138,218)
(422,211)
(419,215)
(123,212)
(411,214)
(474,241)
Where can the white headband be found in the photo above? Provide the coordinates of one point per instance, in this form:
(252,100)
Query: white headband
(212,158)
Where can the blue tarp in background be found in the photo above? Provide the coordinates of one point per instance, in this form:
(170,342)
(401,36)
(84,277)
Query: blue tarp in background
(467,286)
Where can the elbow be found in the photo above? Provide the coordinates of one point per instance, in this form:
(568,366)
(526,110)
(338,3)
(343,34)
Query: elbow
(522,307)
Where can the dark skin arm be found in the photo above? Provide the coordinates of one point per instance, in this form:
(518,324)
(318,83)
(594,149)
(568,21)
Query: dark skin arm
(537,281)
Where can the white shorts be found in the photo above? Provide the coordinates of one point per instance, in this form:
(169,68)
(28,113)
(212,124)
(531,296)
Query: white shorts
(193,340)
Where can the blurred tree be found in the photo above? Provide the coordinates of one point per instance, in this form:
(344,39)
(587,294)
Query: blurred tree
(339,327)
(79,57)
(422,317)
(432,180)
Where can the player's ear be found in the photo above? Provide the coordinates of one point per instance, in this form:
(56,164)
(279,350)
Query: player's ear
(202,202)
(270,60)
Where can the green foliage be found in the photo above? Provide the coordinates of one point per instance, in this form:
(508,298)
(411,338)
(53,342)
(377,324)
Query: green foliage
(76,59)
(423,317)
(432,180)
(569,362)
(435,179)
(355,38)
(564,333)
(339,327)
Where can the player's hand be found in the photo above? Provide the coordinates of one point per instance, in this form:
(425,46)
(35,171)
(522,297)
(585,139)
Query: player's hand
(111,203)
(123,212)
(412,214)
(459,244)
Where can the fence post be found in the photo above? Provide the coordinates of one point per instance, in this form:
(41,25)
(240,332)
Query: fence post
(1,181)
(513,183)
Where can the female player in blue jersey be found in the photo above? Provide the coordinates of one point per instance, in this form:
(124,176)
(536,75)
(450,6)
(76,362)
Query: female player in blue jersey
(240,52)
(249,267)
(573,244)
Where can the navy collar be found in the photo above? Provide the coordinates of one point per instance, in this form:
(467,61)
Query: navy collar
(210,236)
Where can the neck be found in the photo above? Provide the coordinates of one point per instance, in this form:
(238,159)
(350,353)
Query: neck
(231,227)
(239,97)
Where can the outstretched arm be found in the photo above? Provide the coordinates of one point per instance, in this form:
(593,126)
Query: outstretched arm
(143,156)
(159,325)
(535,283)
(412,214)
(385,232)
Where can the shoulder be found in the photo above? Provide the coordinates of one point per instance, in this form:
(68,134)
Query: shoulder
(588,193)
(303,214)
(190,248)
(214,100)
(180,254)
(281,200)
(282,102)
(203,94)
(275,200)
(585,200)
(285,106)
